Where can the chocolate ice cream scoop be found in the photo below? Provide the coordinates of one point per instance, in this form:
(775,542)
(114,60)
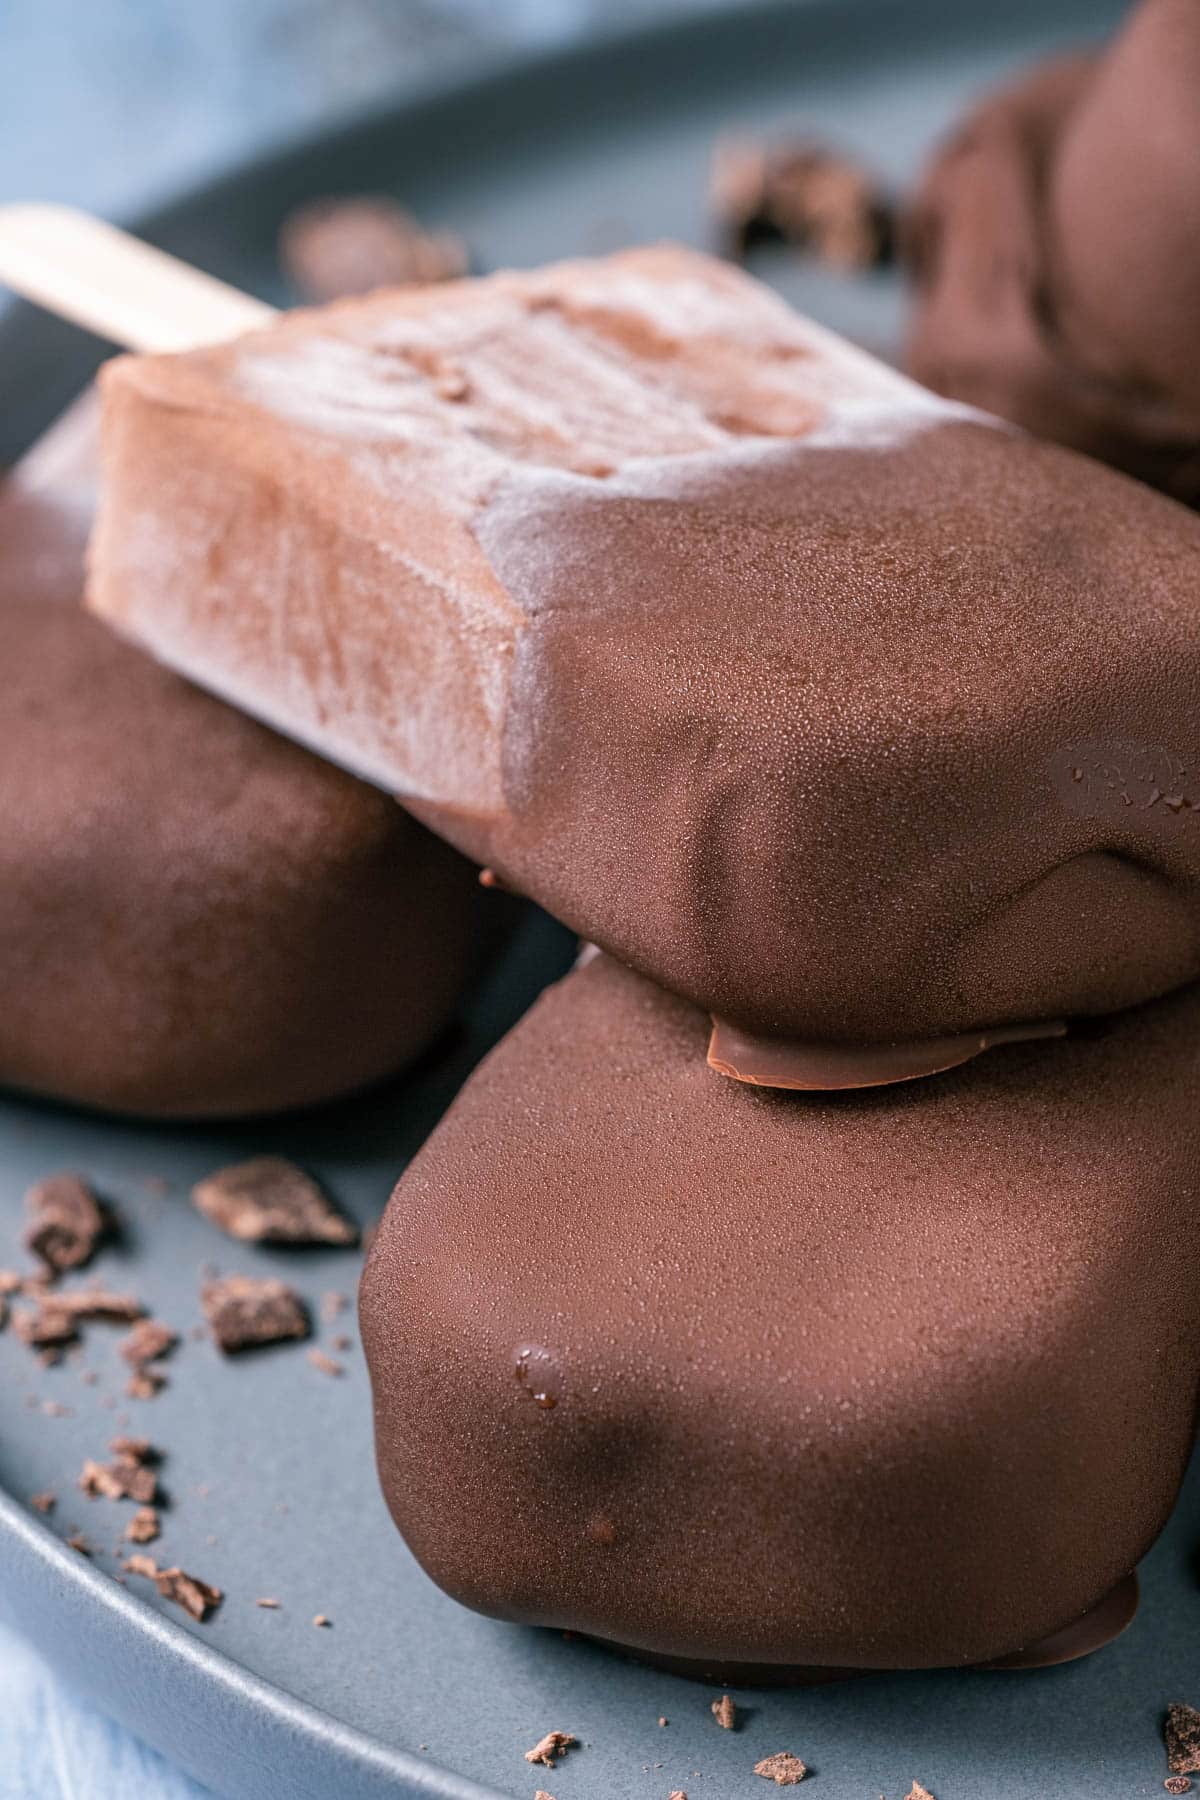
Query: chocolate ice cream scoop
(864,722)
(196,916)
(1056,249)
(757,1383)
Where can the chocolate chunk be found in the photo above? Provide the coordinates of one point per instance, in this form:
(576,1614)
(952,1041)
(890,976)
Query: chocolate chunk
(46,1326)
(89,1305)
(1177,1784)
(326,1364)
(199,1598)
(244,1312)
(121,1479)
(1181,1733)
(145,1384)
(144,1526)
(725,1713)
(67,1222)
(149,1340)
(268,1200)
(784,1769)
(554,1744)
(44,1502)
(337,247)
(806,194)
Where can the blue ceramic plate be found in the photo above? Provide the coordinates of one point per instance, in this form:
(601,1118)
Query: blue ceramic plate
(269,1466)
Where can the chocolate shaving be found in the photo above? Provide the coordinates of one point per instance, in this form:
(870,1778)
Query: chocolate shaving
(245,1313)
(784,1769)
(199,1598)
(725,1713)
(326,1364)
(334,247)
(268,1200)
(149,1341)
(554,1744)
(121,1479)
(44,1502)
(95,1305)
(67,1222)
(805,194)
(144,1526)
(1181,1733)
(266,1600)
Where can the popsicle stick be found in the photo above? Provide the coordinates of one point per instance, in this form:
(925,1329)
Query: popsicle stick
(115,285)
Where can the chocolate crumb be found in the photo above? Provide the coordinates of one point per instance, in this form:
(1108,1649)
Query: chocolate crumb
(555,1743)
(89,1305)
(245,1313)
(144,1526)
(543,1795)
(77,1541)
(662,1722)
(805,194)
(149,1341)
(332,1305)
(1177,1784)
(784,1769)
(46,1327)
(67,1222)
(677,1794)
(342,1342)
(1181,1734)
(334,247)
(145,1383)
(121,1479)
(44,1502)
(268,1200)
(323,1621)
(199,1598)
(266,1601)
(725,1713)
(917,1792)
(139,1450)
(326,1364)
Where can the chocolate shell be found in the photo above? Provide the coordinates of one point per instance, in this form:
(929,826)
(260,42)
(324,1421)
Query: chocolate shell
(759,1383)
(196,916)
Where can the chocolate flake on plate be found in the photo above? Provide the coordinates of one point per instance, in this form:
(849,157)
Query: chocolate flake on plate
(322,1621)
(334,247)
(121,1479)
(326,1364)
(1178,1784)
(149,1341)
(1181,1733)
(45,1326)
(268,1200)
(66,1224)
(144,1526)
(331,1305)
(199,1598)
(725,1713)
(244,1312)
(267,1602)
(554,1744)
(784,1769)
(77,1541)
(806,194)
(145,1383)
(44,1502)
(917,1792)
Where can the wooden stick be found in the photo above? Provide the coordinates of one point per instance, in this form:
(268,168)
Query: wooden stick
(116,286)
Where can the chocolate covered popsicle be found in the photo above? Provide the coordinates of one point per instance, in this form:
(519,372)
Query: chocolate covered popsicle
(763,1385)
(865,723)
(1056,248)
(196,916)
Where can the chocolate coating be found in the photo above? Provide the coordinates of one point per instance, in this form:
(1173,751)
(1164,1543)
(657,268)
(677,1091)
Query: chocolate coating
(1056,248)
(886,1380)
(196,916)
(848,715)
